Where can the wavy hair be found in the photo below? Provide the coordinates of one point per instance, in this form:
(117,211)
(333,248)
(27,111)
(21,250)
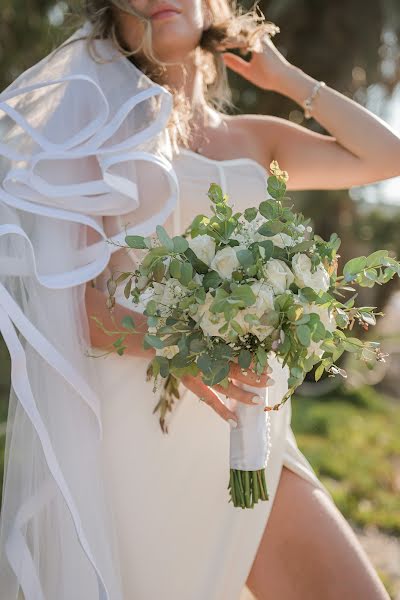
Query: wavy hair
(228,22)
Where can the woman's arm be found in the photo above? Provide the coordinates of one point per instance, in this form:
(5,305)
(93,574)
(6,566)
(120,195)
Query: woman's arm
(361,149)
(95,301)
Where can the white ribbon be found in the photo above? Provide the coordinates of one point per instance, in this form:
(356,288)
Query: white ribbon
(250,441)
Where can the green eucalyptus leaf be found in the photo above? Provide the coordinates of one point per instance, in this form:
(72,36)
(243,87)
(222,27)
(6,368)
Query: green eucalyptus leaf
(276,187)
(375,258)
(198,265)
(304,335)
(151,308)
(175,268)
(204,362)
(250,214)
(302,246)
(162,365)
(319,372)
(222,351)
(128,323)
(268,248)
(159,271)
(353,267)
(164,238)
(135,241)
(186,273)
(219,372)
(180,244)
(200,295)
(268,209)
(153,341)
(237,327)
(271,228)
(295,312)
(244,359)
(215,193)
(197,345)
(245,257)
(211,280)
(244,294)
(127,289)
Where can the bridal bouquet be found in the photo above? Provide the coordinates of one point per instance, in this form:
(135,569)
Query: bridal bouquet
(239,287)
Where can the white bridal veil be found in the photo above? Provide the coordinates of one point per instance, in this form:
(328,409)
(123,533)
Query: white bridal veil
(83,146)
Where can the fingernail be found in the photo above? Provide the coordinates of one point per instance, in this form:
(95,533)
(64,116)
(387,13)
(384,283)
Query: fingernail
(270,382)
(269,370)
(257,400)
(232,423)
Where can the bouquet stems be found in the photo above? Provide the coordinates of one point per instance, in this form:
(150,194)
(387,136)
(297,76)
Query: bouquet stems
(249,451)
(247,487)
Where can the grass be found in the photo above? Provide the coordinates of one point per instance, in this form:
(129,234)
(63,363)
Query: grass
(352,441)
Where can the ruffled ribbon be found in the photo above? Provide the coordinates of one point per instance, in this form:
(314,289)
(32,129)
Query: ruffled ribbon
(25,189)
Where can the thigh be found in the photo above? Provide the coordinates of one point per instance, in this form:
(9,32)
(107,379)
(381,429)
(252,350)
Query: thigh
(308,550)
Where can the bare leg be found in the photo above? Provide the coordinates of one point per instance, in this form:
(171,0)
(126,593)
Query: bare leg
(309,552)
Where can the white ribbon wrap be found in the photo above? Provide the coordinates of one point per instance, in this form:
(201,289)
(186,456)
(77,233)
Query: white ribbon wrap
(250,441)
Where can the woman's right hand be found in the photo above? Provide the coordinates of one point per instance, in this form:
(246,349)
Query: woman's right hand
(208,394)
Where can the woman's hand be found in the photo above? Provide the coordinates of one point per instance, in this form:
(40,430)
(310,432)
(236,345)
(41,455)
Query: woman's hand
(208,394)
(266,67)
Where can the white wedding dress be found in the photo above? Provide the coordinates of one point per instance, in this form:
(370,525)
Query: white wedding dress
(178,537)
(98,503)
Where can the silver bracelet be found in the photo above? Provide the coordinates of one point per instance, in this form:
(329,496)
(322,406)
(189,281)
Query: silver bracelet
(308,103)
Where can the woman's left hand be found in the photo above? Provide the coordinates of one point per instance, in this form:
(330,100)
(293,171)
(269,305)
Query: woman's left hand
(266,68)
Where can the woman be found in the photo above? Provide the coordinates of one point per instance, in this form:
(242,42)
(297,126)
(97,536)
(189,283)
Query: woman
(128,517)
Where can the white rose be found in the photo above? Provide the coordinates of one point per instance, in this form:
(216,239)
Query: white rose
(264,298)
(225,262)
(168,351)
(282,240)
(264,303)
(319,280)
(327,321)
(204,248)
(278,274)
(208,321)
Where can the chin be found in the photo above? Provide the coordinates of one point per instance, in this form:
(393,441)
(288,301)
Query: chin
(173,41)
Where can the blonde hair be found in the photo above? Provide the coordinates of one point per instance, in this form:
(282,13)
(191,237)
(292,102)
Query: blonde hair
(228,22)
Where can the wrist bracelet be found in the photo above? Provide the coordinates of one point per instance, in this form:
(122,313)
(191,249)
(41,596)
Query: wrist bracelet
(308,103)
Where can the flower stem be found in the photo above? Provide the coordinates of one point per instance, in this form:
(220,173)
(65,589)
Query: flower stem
(246,488)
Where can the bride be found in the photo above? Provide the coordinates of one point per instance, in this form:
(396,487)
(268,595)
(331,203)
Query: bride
(120,129)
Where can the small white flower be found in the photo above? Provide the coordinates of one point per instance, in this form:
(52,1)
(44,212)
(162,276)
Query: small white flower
(282,240)
(278,275)
(318,281)
(247,232)
(167,294)
(225,262)
(204,248)
(209,322)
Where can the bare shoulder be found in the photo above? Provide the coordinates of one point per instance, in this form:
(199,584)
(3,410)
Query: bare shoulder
(257,134)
